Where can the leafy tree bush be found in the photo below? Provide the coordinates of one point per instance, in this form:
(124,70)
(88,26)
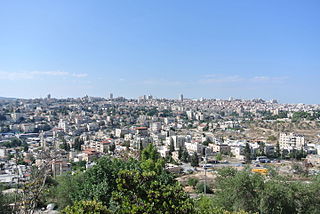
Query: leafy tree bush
(86,207)
(112,148)
(193,182)
(194,160)
(144,186)
(256,194)
(219,157)
(77,143)
(65,146)
(126,186)
(4,203)
(144,193)
(200,188)
(204,205)
(278,151)
(79,166)
(247,153)
(15,142)
(276,198)
(239,191)
(205,143)
(185,156)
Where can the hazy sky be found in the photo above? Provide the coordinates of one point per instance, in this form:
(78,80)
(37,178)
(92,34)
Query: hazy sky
(214,49)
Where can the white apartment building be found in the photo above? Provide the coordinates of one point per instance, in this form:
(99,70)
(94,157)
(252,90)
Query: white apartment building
(194,147)
(178,141)
(155,127)
(62,125)
(99,146)
(291,141)
(238,151)
(189,114)
(222,148)
(121,132)
(16,116)
(27,127)
(3,152)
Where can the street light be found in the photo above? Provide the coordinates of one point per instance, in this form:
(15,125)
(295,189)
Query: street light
(205,172)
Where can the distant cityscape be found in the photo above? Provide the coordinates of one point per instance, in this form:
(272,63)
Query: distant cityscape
(59,135)
(203,126)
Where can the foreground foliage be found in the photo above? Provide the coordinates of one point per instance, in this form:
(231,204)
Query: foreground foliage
(86,207)
(256,194)
(144,186)
(4,203)
(125,186)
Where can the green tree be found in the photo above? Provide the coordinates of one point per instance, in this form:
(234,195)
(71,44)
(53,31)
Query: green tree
(205,205)
(99,182)
(193,182)
(255,194)
(79,166)
(65,146)
(200,188)
(4,203)
(205,143)
(261,149)
(96,183)
(150,152)
(180,151)
(238,190)
(86,207)
(185,157)
(278,151)
(77,143)
(219,157)
(151,160)
(194,160)
(247,153)
(65,193)
(276,198)
(171,147)
(143,193)
(112,148)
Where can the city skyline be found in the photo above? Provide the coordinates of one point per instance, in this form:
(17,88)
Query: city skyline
(215,49)
(149,97)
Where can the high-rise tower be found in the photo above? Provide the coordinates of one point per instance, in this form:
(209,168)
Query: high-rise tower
(181,97)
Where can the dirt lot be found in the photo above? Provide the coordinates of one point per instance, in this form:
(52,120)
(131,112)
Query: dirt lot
(200,176)
(263,130)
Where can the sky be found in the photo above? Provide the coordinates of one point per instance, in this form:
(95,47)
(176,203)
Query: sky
(209,48)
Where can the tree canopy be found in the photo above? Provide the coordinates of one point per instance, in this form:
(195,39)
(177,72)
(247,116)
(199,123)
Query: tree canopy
(133,186)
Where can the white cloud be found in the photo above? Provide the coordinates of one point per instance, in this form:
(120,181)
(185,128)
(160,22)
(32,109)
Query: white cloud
(268,79)
(81,75)
(48,73)
(261,78)
(25,75)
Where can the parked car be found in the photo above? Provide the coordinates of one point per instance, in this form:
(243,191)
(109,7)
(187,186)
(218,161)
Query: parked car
(263,159)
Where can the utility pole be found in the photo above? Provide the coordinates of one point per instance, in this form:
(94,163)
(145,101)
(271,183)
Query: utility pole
(205,172)
(15,207)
